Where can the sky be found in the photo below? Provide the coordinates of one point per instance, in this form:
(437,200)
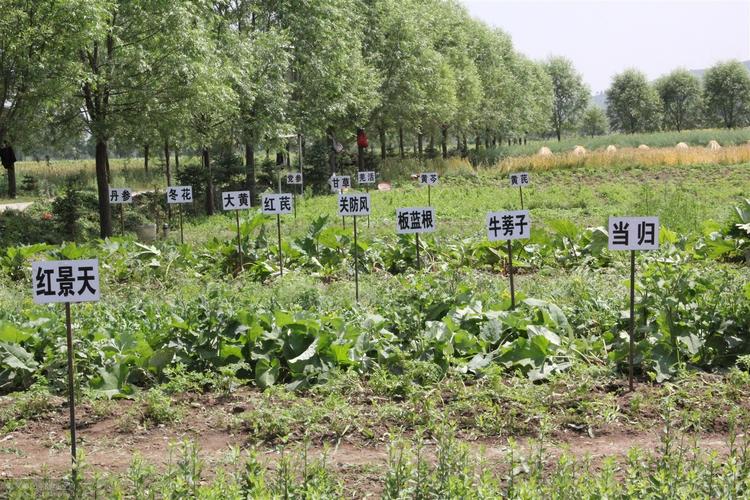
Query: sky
(605,37)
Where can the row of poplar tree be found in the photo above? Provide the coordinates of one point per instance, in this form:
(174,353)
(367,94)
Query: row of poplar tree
(199,73)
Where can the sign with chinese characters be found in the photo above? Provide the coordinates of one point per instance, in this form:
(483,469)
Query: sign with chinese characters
(366,177)
(65,281)
(120,196)
(179,194)
(428,178)
(520,179)
(277,204)
(513,225)
(339,182)
(633,233)
(235,200)
(415,220)
(354,204)
(294,178)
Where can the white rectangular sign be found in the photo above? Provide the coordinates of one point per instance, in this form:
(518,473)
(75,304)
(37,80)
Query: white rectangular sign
(513,225)
(277,204)
(179,194)
(65,281)
(520,179)
(366,177)
(354,204)
(293,178)
(235,200)
(415,220)
(633,233)
(339,182)
(428,178)
(120,196)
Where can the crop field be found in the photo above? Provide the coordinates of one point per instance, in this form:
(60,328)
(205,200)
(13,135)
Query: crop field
(196,376)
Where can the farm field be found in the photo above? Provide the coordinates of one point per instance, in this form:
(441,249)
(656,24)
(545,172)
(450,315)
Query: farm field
(196,378)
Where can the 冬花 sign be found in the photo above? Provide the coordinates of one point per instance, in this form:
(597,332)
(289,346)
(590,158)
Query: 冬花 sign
(633,233)
(520,179)
(428,178)
(513,225)
(277,204)
(65,281)
(294,178)
(119,196)
(354,204)
(179,194)
(235,200)
(415,220)
(366,177)
(339,182)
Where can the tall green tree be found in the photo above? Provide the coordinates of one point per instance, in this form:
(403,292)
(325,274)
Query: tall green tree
(37,39)
(593,122)
(680,94)
(123,64)
(727,94)
(632,103)
(570,94)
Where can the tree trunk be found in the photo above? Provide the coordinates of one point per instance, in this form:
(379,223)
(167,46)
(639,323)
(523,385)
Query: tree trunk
(288,155)
(401,141)
(382,143)
(209,183)
(176,161)
(12,181)
(477,143)
(444,144)
(420,138)
(558,135)
(250,170)
(167,167)
(109,172)
(145,158)
(102,187)
(432,143)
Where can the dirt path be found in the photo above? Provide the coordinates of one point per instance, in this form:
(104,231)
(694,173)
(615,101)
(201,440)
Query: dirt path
(40,447)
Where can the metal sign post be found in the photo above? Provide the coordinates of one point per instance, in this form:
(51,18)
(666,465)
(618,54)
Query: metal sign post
(121,197)
(67,281)
(633,233)
(415,220)
(236,201)
(278,205)
(509,226)
(180,195)
(520,180)
(354,205)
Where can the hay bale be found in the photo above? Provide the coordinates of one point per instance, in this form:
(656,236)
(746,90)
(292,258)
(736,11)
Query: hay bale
(579,151)
(714,145)
(611,148)
(643,146)
(681,145)
(544,151)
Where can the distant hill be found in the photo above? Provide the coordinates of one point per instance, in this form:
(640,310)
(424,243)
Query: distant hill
(600,99)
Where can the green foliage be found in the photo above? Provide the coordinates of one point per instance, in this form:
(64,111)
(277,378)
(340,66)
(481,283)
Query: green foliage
(632,103)
(681,98)
(727,94)
(594,122)
(571,95)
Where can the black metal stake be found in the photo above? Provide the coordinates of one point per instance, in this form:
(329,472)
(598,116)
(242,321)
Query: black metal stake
(182,234)
(294,203)
(520,190)
(632,320)
(71,394)
(419,264)
(510,274)
(122,219)
(239,239)
(356,262)
(281,258)
(429,197)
